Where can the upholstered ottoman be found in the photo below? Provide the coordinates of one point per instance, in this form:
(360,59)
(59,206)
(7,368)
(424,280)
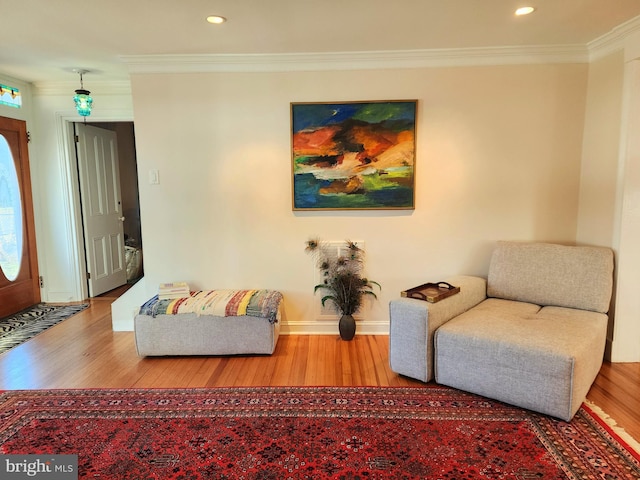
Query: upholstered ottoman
(214,322)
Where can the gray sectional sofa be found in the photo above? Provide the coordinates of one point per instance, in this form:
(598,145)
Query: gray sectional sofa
(532,334)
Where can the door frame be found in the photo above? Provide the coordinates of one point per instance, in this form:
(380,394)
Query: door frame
(71,186)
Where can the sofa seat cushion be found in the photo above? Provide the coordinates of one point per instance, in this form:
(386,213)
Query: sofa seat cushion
(540,358)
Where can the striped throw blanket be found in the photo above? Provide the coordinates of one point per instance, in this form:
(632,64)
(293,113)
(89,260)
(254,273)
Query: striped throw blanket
(219,303)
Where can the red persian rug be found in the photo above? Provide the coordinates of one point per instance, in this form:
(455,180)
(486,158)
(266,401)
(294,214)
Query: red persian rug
(306,432)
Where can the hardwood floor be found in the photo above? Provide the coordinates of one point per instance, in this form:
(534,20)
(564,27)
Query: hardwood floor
(83,352)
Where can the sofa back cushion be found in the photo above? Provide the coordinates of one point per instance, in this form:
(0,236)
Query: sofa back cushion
(550,274)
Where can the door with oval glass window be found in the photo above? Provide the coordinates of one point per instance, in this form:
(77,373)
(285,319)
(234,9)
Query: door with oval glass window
(19,282)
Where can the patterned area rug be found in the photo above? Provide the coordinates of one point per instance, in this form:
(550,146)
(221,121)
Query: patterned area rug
(24,325)
(308,432)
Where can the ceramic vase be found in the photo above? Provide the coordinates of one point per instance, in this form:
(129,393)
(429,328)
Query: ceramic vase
(347,327)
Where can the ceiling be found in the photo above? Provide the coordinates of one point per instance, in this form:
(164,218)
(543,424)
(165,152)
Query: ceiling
(44,40)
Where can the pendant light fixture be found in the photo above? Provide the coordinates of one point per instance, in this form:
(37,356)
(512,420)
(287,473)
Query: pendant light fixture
(82,98)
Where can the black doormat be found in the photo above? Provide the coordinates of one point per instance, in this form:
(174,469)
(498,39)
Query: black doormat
(22,326)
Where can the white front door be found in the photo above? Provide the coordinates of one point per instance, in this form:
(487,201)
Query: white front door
(97,151)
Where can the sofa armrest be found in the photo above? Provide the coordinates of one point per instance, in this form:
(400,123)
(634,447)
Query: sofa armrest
(413,322)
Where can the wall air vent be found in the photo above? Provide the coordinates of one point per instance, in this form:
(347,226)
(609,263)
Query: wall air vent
(334,250)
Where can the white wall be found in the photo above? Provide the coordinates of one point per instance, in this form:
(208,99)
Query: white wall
(54,177)
(599,176)
(601,150)
(498,157)
(610,182)
(626,333)
(499,152)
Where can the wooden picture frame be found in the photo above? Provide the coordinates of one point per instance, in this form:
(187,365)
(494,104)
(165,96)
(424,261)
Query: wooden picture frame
(353,155)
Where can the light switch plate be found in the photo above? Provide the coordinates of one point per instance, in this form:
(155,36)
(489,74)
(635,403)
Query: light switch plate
(154,177)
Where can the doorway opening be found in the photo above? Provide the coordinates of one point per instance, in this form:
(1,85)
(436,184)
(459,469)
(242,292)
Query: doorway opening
(120,252)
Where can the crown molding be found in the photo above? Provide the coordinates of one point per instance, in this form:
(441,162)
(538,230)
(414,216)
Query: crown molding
(298,62)
(68,87)
(21,84)
(600,47)
(613,40)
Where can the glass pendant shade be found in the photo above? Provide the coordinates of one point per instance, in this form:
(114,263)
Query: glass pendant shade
(83,102)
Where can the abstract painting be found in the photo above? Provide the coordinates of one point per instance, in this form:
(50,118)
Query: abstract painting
(353,155)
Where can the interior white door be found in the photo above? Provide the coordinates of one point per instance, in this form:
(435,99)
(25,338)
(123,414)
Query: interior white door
(100,197)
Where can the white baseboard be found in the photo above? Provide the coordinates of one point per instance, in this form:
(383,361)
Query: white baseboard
(124,309)
(59,297)
(330,327)
(123,321)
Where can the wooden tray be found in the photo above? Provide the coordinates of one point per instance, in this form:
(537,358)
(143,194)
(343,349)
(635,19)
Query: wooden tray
(431,292)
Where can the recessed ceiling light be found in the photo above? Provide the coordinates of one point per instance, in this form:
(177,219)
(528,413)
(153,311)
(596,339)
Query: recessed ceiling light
(525,11)
(216,19)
